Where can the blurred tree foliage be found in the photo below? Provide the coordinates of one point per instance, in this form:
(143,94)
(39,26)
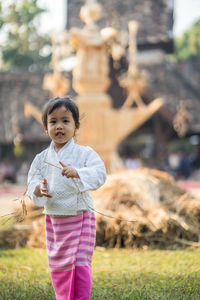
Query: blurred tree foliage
(188,45)
(21,44)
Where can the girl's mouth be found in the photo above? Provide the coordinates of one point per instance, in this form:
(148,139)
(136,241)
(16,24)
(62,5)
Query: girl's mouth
(59,134)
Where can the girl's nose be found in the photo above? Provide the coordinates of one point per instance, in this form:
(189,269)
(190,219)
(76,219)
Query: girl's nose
(59,125)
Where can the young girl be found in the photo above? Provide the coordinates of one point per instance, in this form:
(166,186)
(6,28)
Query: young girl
(60,179)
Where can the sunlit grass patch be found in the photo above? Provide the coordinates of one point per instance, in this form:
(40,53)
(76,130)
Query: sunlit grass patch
(117,274)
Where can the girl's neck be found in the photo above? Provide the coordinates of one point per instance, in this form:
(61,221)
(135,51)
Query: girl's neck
(58,147)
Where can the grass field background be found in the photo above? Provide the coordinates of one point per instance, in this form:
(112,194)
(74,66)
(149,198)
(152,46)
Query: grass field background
(117,274)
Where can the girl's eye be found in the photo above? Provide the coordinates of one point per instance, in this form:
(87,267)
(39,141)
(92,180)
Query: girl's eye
(52,122)
(65,121)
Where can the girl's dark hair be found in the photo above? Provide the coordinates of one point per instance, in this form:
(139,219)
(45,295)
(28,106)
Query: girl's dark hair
(58,102)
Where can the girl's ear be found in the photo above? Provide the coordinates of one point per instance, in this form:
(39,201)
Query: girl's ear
(45,128)
(76,128)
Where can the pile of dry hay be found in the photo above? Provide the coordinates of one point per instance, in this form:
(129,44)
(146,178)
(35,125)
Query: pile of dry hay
(163,214)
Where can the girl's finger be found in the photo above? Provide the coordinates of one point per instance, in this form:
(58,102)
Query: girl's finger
(47,195)
(62,164)
(63,172)
(44,181)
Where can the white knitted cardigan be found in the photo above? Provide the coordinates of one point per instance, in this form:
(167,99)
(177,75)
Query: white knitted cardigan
(66,199)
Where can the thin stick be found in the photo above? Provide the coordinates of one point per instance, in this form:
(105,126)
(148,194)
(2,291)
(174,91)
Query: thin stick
(23,204)
(185,242)
(46,162)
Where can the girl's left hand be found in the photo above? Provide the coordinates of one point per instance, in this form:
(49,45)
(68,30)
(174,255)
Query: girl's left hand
(68,171)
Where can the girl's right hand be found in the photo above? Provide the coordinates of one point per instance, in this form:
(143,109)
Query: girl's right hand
(42,189)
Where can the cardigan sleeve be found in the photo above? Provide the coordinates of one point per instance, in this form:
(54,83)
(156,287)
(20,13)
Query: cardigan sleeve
(34,178)
(93,174)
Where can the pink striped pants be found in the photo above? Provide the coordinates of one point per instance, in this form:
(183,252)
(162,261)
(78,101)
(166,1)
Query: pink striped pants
(70,246)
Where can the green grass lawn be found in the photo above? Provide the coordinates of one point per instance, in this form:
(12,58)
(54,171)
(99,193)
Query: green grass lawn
(117,274)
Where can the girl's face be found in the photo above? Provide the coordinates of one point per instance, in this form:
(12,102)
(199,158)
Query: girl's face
(60,126)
